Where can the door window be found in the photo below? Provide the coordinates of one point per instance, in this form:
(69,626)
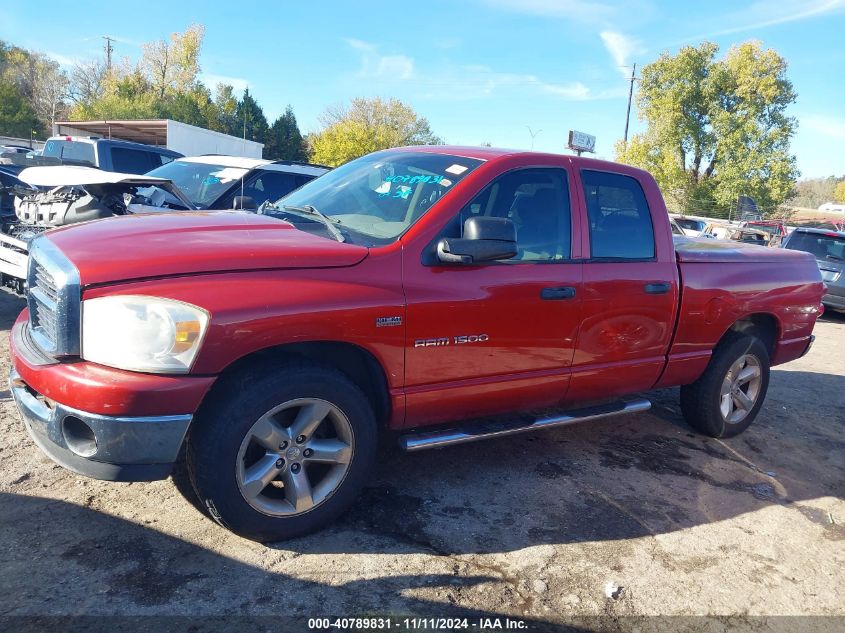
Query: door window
(620,220)
(537,202)
(270,186)
(130,161)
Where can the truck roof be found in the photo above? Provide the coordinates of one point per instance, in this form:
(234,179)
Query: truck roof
(491,153)
(289,167)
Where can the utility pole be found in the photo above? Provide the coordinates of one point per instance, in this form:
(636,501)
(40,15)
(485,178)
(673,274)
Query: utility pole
(630,97)
(533,134)
(109,48)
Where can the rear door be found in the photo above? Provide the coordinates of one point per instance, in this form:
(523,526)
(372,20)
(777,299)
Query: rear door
(630,290)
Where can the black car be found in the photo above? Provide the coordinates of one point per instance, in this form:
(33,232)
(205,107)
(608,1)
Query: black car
(828,247)
(107,153)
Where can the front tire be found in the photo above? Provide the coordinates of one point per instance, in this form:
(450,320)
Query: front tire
(281,451)
(727,397)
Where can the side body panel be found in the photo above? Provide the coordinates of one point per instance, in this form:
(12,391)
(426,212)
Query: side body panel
(717,295)
(626,332)
(528,342)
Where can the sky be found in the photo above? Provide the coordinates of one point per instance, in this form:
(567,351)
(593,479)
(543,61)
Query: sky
(513,73)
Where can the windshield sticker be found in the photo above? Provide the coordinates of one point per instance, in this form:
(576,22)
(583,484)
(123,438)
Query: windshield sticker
(401,192)
(228,174)
(456,169)
(413,180)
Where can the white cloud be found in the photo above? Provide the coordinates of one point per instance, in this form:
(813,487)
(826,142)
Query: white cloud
(63,60)
(764,14)
(458,82)
(582,11)
(829,126)
(571,9)
(621,48)
(375,65)
(211,80)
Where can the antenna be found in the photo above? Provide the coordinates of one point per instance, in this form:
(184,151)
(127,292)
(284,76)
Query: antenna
(533,134)
(109,48)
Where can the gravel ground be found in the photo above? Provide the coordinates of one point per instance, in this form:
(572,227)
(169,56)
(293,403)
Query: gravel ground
(532,527)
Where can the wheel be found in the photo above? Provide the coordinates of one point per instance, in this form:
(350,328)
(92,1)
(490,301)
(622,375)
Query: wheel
(281,451)
(727,397)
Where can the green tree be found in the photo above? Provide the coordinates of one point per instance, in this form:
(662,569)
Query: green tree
(365,126)
(226,111)
(284,140)
(716,128)
(839,192)
(17,118)
(251,121)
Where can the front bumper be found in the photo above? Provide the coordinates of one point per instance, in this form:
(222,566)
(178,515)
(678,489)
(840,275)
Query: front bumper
(100,446)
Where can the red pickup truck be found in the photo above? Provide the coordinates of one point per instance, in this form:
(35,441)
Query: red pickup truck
(446,294)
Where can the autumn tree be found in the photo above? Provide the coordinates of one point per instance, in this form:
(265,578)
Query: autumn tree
(172,66)
(839,192)
(38,81)
(87,81)
(284,140)
(367,125)
(716,128)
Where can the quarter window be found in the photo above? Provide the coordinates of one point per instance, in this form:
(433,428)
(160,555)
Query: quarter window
(620,220)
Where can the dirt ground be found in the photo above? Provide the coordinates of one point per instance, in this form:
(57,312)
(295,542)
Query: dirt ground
(533,527)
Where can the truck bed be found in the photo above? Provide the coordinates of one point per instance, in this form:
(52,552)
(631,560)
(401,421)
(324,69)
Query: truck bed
(768,285)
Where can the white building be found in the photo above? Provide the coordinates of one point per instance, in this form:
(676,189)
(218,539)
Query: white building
(188,140)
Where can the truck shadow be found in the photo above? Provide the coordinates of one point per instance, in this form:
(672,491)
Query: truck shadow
(605,481)
(63,560)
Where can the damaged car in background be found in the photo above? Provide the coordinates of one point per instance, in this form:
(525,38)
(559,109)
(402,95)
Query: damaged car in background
(54,196)
(62,195)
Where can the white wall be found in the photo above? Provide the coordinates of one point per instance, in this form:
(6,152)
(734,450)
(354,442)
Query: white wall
(194,141)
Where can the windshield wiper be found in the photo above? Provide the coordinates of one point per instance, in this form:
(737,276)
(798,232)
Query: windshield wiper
(326,220)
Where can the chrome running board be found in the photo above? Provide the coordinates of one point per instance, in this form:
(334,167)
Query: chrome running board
(473,431)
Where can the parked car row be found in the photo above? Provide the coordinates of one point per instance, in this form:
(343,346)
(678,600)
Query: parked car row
(44,197)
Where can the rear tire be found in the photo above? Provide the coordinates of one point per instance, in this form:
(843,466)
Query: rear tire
(727,397)
(282,450)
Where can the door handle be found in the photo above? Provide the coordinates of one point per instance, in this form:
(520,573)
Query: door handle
(658,288)
(551,294)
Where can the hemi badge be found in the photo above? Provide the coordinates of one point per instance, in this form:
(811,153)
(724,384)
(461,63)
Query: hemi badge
(388,321)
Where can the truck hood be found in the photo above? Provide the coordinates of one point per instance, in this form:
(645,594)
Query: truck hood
(142,246)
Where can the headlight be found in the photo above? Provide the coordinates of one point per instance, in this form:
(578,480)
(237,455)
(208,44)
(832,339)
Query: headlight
(142,333)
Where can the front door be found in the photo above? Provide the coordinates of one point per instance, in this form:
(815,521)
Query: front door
(500,336)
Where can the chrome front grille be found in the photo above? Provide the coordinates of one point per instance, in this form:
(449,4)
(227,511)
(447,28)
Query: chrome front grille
(44,298)
(54,299)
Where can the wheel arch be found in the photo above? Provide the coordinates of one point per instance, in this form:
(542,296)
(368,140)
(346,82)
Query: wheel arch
(357,363)
(763,325)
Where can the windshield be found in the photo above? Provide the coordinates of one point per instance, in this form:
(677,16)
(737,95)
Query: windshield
(692,225)
(202,183)
(77,151)
(377,197)
(822,245)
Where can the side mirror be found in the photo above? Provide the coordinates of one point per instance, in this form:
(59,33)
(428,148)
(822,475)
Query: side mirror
(485,240)
(245,203)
